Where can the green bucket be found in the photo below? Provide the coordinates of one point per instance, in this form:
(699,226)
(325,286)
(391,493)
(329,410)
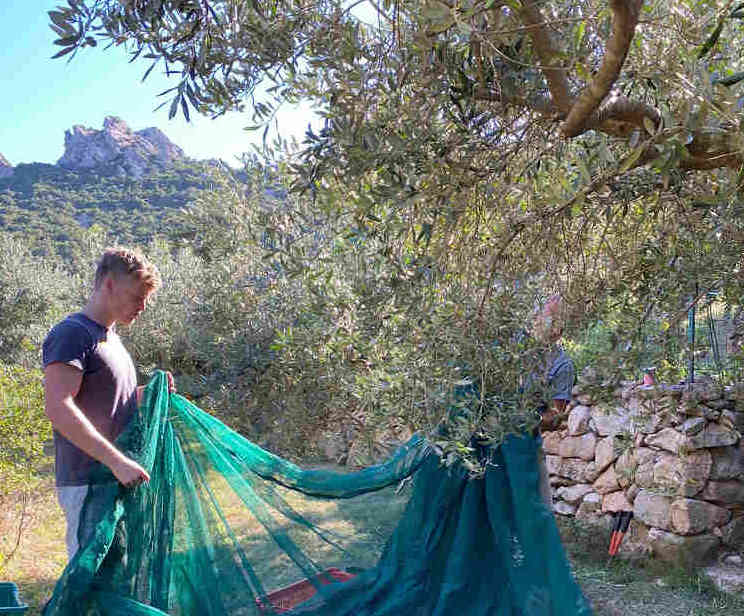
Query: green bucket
(9,602)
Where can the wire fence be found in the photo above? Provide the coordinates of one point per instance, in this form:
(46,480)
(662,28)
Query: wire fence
(711,348)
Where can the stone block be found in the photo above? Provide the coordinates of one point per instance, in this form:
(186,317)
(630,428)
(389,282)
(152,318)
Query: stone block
(636,539)
(714,435)
(578,420)
(590,509)
(691,517)
(728,462)
(718,405)
(646,415)
(732,534)
(734,392)
(625,468)
(574,494)
(607,482)
(578,446)
(729,492)
(563,508)
(692,426)
(738,420)
(606,452)
(557,482)
(709,391)
(644,470)
(689,551)
(610,421)
(616,501)
(653,509)
(684,475)
(726,578)
(591,472)
(551,442)
(729,420)
(668,439)
(631,492)
(571,468)
(553,464)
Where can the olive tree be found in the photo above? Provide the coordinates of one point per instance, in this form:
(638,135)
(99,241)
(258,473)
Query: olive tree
(475,157)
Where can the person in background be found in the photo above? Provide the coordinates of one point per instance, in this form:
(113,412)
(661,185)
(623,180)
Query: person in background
(556,380)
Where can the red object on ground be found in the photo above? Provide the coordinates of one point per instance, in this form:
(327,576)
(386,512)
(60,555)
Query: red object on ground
(625,518)
(285,599)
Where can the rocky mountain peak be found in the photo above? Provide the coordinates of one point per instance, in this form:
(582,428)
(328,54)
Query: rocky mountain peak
(117,148)
(6,169)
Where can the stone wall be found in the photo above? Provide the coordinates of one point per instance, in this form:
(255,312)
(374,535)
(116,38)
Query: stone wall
(671,454)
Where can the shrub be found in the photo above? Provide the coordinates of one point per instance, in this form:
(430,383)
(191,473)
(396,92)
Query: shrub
(24,430)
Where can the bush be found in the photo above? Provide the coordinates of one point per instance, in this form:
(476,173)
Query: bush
(24,430)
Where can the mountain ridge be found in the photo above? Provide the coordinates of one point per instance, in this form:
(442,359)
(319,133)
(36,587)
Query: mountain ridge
(115,149)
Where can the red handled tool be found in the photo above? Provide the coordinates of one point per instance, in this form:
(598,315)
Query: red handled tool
(619,528)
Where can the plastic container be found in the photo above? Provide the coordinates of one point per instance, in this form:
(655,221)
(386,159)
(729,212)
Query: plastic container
(9,602)
(285,599)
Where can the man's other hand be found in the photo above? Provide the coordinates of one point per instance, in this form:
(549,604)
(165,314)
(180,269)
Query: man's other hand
(551,419)
(171,382)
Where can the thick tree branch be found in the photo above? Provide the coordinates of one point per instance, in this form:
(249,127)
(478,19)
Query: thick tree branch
(547,52)
(625,18)
(541,104)
(617,116)
(620,116)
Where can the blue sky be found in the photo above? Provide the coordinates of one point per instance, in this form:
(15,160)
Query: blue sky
(40,98)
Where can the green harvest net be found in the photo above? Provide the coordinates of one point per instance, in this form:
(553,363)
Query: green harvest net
(226,528)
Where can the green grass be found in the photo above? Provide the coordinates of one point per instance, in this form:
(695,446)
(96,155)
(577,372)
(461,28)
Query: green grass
(41,556)
(639,587)
(618,587)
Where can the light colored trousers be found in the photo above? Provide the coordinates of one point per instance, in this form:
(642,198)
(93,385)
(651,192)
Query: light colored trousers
(71,499)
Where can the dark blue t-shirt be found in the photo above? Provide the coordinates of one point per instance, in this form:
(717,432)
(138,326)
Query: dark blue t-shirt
(108,392)
(560,376)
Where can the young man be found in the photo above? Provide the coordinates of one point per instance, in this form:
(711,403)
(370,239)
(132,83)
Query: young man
(90,383)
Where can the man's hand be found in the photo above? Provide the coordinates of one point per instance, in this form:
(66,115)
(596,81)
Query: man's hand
(61,385)
(129,473)
(551,419)
(171,382)
(171,387)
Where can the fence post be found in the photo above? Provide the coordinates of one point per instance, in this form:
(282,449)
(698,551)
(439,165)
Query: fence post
(691,340)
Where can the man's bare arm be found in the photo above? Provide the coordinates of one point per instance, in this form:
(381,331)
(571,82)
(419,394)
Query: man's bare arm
(61,385)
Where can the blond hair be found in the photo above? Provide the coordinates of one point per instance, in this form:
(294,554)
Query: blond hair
(119,262)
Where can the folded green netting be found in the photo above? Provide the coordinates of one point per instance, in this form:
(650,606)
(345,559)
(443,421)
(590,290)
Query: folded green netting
(227,528)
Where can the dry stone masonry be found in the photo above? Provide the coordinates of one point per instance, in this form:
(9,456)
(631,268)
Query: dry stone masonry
(672,454)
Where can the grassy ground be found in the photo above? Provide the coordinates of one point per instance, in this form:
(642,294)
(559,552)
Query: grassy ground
(639,588)
(615,588)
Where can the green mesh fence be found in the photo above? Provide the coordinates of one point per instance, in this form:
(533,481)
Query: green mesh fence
(224,527)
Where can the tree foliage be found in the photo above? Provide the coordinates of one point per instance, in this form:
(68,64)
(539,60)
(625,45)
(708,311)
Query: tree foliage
(475,157)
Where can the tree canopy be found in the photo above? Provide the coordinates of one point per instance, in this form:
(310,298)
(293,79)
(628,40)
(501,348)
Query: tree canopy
(476,155)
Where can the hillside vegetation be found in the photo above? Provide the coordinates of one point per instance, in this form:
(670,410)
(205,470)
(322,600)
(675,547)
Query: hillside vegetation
(47,206)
